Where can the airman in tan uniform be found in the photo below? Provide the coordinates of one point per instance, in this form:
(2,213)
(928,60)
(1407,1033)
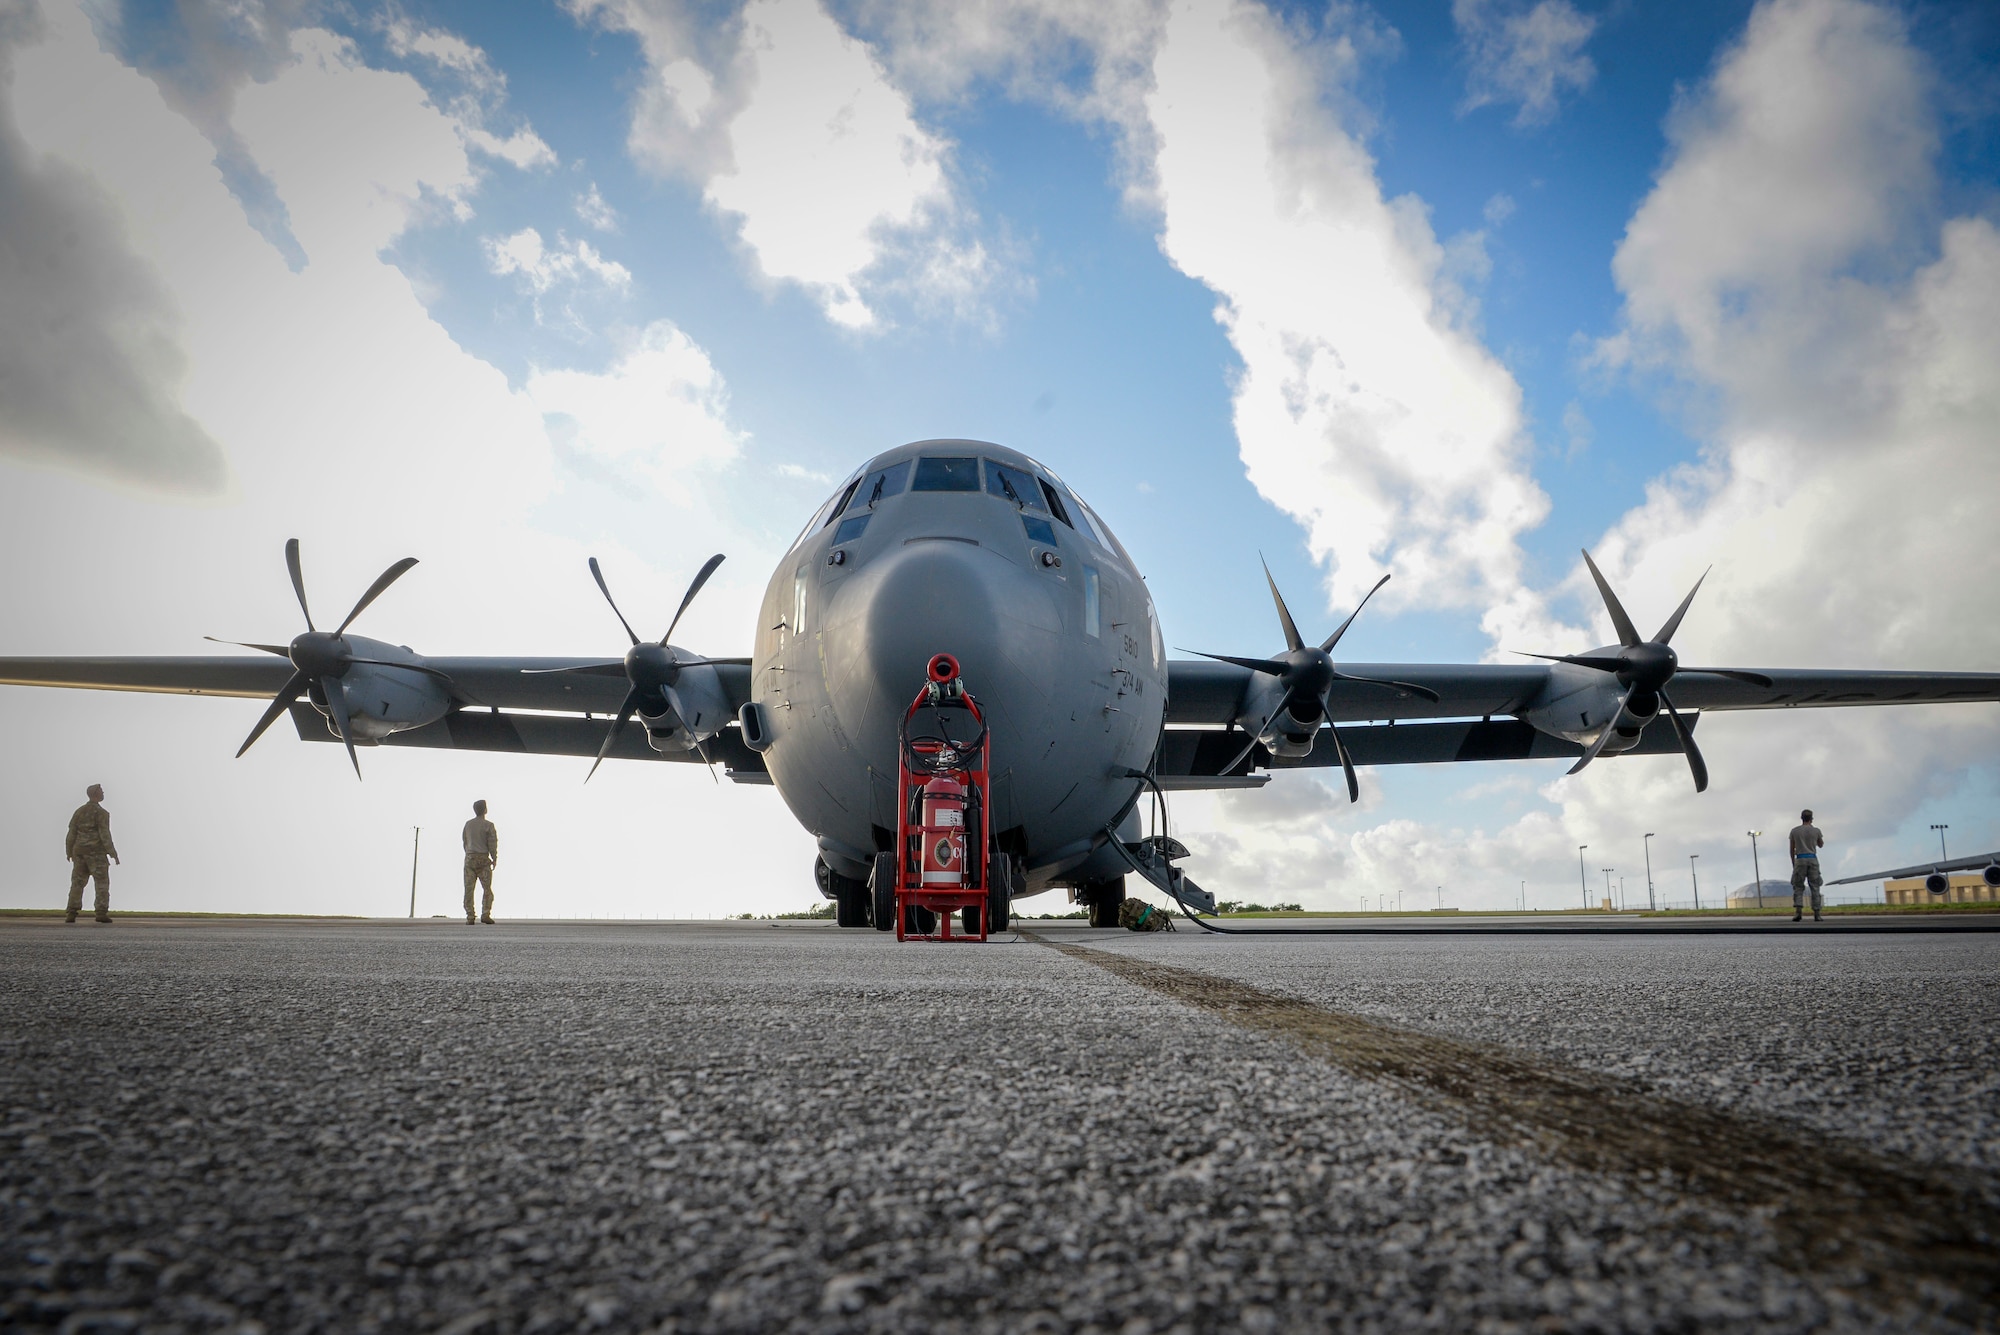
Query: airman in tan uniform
(1807,841)
(90,852)
(482,850)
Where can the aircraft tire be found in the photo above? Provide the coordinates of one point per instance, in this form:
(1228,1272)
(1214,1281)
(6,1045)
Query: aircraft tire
(998,908)
(882,890)
(850,900)
(1105,898)
(968,921)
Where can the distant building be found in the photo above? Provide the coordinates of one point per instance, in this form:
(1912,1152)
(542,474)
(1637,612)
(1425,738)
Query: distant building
(1776,894)
(1967,887)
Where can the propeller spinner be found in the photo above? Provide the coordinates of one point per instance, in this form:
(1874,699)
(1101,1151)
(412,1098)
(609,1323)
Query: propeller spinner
(1308,675)
(1643,668)
(320,657)
(651,669)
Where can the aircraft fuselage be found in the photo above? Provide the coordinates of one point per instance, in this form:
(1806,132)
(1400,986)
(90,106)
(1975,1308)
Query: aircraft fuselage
(975,550)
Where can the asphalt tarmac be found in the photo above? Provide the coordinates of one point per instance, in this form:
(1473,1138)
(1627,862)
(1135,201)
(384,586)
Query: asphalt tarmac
(298,1126)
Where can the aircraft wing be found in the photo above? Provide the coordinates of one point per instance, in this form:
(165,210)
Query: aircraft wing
(494,683)
(1206,692)
(1977,862)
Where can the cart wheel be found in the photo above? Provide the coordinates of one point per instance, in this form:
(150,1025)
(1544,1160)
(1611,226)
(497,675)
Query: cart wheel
(968,918)
(920,921)
(882,887)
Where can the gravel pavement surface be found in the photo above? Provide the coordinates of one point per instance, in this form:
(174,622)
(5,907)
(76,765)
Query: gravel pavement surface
(296,1126)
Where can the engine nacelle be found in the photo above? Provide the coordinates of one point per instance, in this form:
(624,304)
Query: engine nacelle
(1579,703)
(1991,875)
(1937,883)
(707,706)
(384,700)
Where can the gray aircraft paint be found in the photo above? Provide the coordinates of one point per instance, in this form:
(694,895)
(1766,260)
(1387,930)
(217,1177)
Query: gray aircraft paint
(847,627)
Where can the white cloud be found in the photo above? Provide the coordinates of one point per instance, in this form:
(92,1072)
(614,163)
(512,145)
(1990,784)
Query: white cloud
(1788,268)
(660,413)
(1526,56)
(91,361)
(790,126)
(484,91)
(594,212)
(355,423)
(525,254)
(1366,408)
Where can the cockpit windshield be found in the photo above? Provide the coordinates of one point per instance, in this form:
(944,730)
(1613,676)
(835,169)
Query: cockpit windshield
(947,475)
(1011,484)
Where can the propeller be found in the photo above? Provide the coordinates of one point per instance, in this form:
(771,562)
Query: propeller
(1308,675)
(1643,668)
(651,669)
(321,657)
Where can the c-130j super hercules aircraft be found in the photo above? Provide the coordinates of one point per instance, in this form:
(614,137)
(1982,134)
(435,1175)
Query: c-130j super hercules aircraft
(971,549)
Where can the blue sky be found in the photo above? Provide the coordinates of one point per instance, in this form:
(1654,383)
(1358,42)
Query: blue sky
(1445,290)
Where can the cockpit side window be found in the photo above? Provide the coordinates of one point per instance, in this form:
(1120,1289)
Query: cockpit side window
(841,505)
(1011,484)
(1102,532)
(1054,498)
(821,515)
(947,475)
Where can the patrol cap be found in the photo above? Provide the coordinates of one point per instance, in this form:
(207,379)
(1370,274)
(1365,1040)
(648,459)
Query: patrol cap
(96,790)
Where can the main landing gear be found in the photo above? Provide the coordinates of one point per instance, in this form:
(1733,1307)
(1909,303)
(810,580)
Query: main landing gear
(1103,898)
(850,897)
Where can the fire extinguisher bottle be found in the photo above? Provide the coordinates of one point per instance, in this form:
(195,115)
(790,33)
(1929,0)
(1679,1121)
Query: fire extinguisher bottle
(943,860)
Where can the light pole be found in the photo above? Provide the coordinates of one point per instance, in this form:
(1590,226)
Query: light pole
(416,842)
(1440,899)
(1756,867)
(1581,878)
(1942,855)
(1607,885)
(1524,896)
(1696,879)
(1647,843)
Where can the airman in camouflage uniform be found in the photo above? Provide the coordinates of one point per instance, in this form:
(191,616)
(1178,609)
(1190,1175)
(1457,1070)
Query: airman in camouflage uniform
(90,852)
(482,850)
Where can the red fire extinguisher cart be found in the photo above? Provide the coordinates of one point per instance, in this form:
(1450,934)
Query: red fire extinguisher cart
(942,837)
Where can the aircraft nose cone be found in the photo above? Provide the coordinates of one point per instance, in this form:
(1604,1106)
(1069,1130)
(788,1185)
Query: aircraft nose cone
(927,599)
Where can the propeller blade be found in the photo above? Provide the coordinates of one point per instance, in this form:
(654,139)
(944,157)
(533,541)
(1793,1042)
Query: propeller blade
(694,588)
(624,717)
(244,644)
(1734,674)
(612,667)
(1268,666)
(1292,640)
(1674,621)
(336,704)
(382,581)
(1346,764)
(1334,638)
(298,580)
(279,704)
(1627,635)
(598,575)
(1604,736)
(1598,661)
(1406,687)
(702,751)
(1688,748)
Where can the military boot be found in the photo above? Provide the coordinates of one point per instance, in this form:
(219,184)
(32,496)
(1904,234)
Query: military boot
(70,916)
(1798,914)
(104,917)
